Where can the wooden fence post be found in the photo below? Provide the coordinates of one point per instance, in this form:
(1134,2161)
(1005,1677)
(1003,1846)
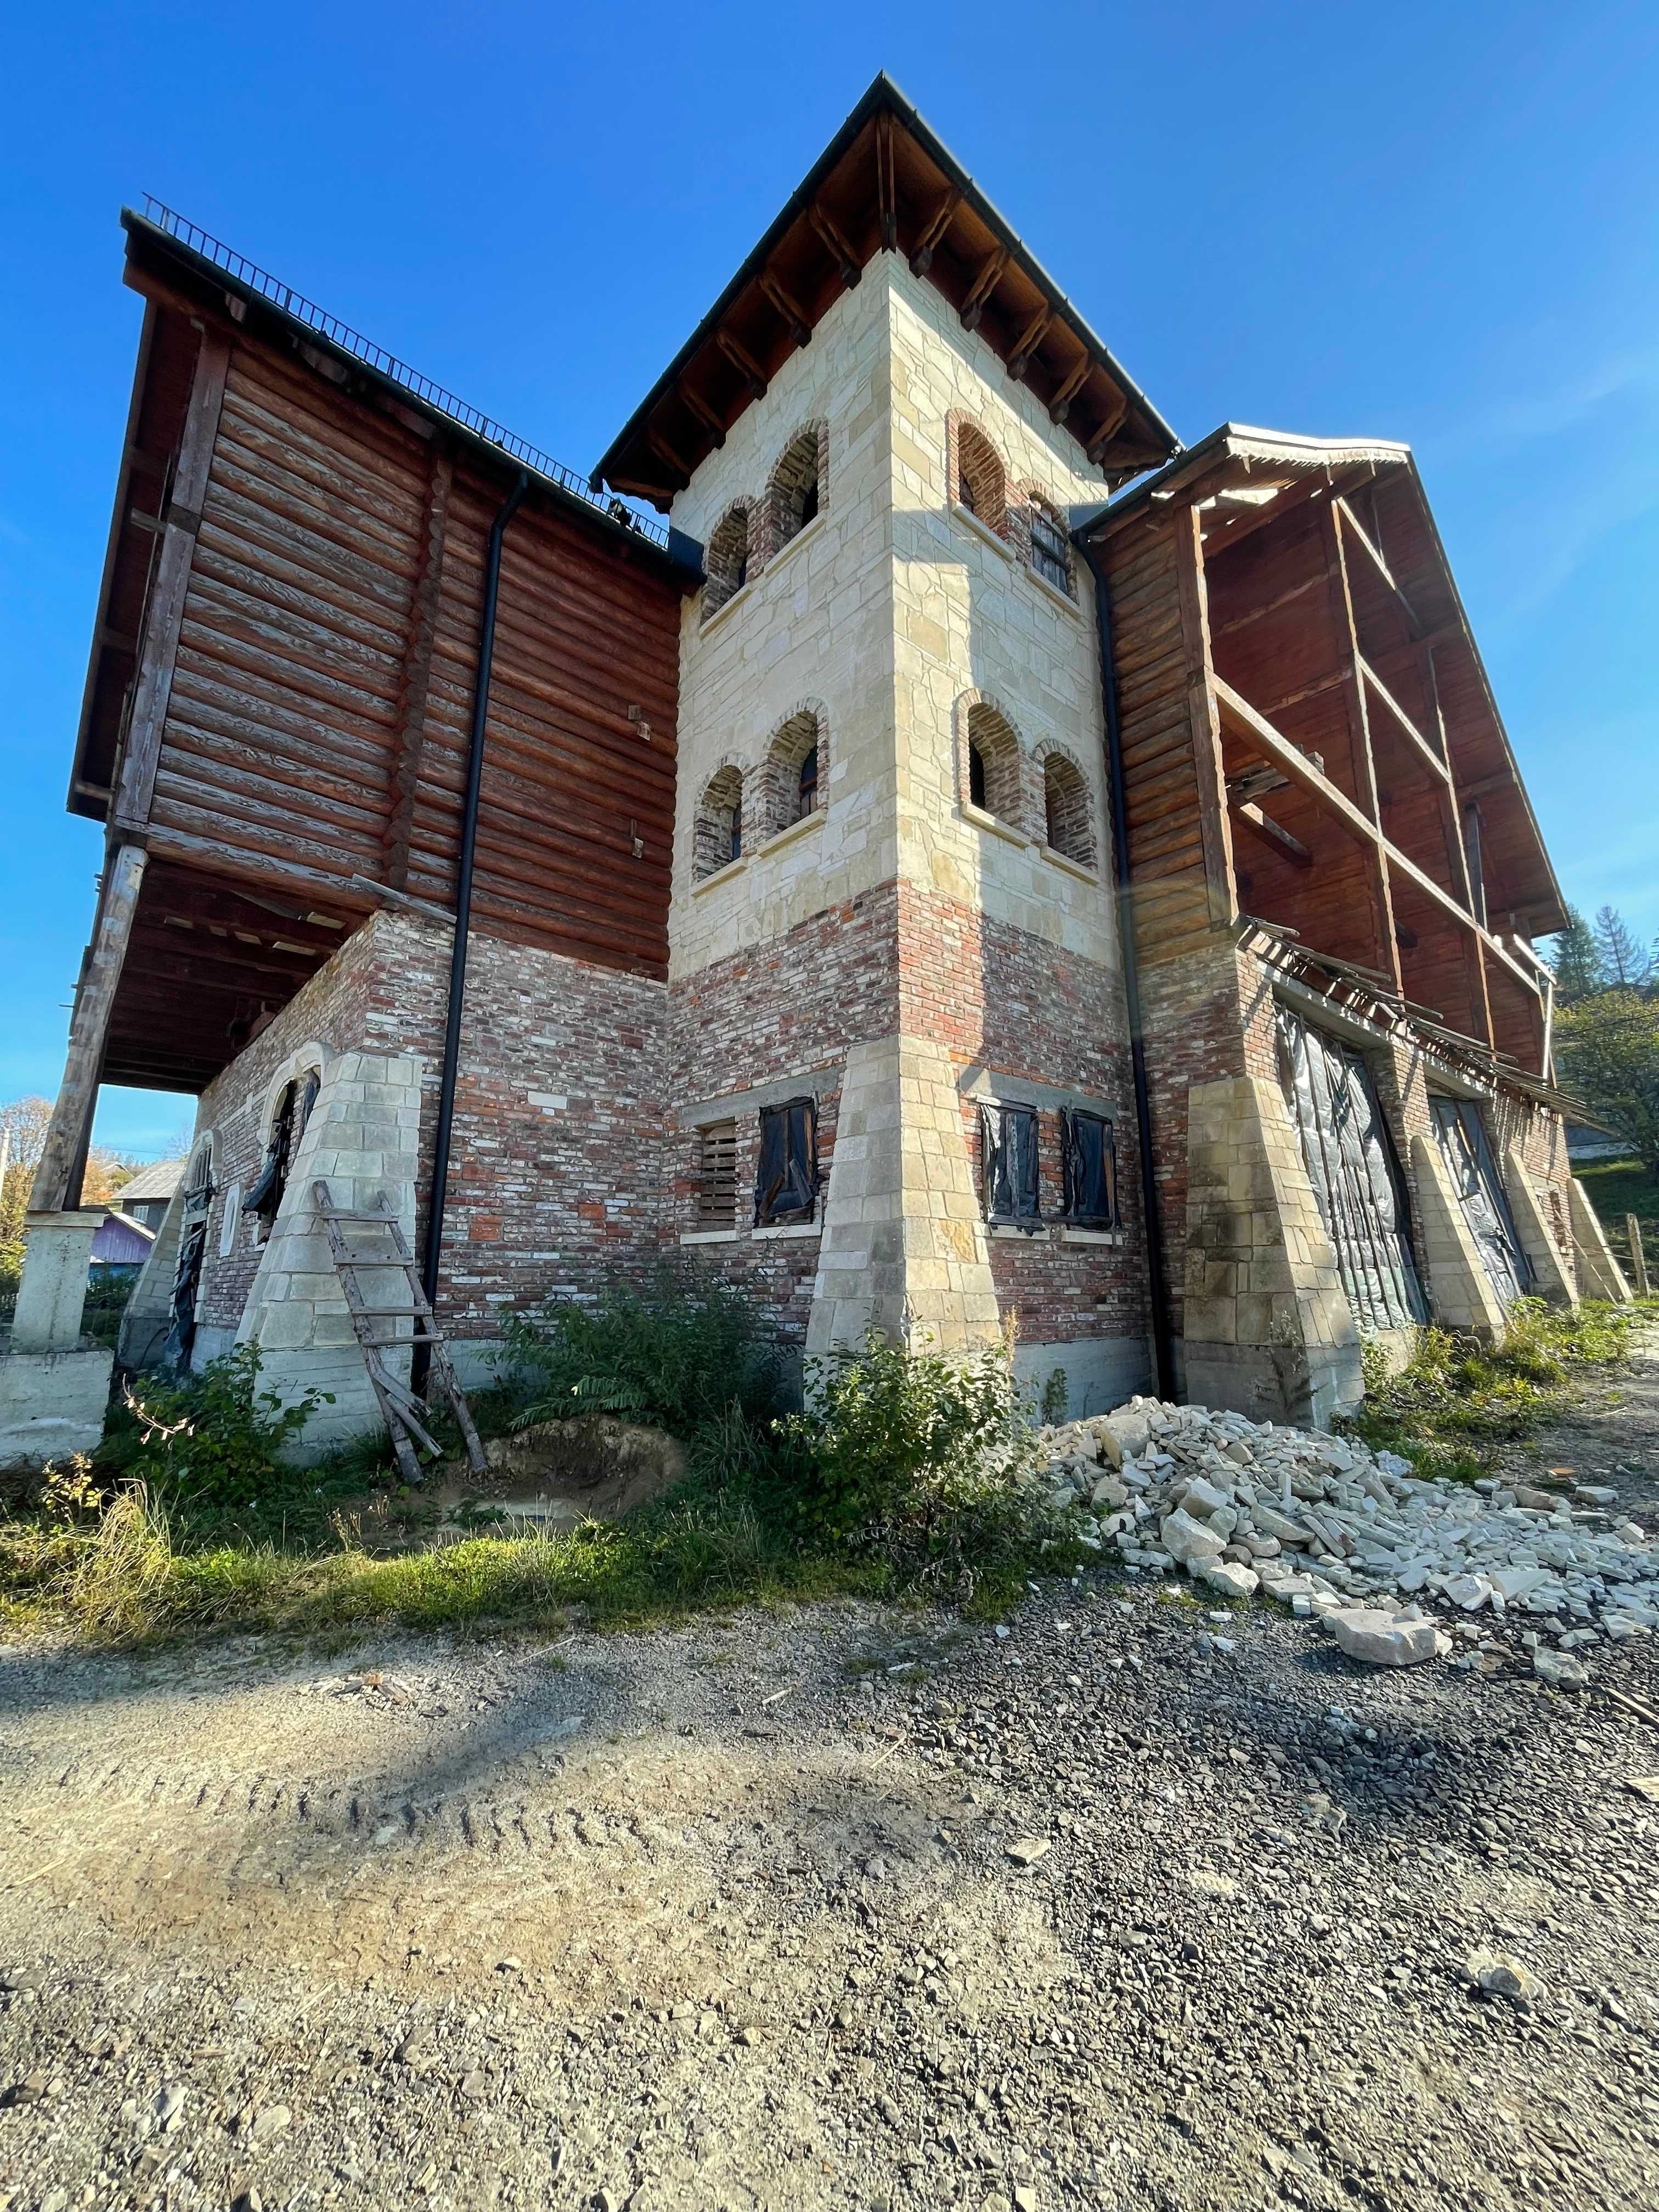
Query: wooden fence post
(1638,1259)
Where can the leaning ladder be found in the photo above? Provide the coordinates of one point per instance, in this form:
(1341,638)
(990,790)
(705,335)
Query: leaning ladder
(403,1410)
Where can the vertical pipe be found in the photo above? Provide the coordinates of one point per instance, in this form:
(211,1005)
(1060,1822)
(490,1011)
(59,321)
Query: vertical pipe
(1162,1351)
(434,1219)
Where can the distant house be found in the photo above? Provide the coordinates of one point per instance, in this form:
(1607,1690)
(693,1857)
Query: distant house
(121,1242)
(146,1198)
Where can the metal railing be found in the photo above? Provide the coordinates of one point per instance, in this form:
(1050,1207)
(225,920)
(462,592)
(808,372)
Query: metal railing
(283,296)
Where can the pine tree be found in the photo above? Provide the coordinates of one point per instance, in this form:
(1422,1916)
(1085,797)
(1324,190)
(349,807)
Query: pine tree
(1577,961)
(1624,964)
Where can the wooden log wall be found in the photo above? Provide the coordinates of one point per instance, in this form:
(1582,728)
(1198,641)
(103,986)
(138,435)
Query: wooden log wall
(322,693)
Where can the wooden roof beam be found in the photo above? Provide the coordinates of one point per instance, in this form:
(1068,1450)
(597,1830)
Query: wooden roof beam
(1275,834)
(841,253)
(697,405)
(1067,389)
(1357,530)
(1425,751)
(745,362)
(886,190)
(986,280)
(788,307)
(932,233)
(1028,342)
(1106,429)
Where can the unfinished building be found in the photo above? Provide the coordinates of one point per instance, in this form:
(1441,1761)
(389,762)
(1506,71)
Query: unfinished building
(977,864)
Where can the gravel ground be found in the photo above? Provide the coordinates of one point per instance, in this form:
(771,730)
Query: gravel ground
(844,1908)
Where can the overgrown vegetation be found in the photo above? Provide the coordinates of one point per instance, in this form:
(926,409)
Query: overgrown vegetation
(1459,1401)
(900,1478)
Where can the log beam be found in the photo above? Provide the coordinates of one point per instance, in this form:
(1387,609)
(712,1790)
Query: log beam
(63,1156)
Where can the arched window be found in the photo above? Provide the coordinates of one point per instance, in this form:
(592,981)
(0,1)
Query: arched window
(726,559)
(288,1126)
(981,484)
(193,1248)
(1068,812)
(795,761)
(719,835)
(1051,549)
(993,764)
(796,490)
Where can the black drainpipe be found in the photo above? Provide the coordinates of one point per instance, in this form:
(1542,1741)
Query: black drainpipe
(1162,1353)
(434,1219)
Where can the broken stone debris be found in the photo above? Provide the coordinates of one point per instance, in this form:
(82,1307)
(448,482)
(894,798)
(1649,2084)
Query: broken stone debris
(1338,1531)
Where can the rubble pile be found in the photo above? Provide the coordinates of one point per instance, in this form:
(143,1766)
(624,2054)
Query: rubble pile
(1344,1534)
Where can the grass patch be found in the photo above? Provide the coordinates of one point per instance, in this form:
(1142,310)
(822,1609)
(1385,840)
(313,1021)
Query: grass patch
(1459,1401)
(903,1480)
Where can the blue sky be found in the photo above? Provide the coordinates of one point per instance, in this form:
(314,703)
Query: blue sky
(1429,223)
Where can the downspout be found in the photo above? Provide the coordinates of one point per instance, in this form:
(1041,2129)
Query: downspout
(434,1219)
(1163,1352)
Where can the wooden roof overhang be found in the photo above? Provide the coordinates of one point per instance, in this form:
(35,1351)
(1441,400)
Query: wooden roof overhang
(185,290)
(1242,480)
(884,183)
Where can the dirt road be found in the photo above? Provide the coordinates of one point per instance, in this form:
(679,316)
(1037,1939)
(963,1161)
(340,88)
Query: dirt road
(843,1909)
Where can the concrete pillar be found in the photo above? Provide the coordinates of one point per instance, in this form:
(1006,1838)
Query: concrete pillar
(903,1247)
(52,1295)
(1554,1281)
(1600,1275)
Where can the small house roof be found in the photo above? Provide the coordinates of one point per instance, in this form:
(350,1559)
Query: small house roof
(160,1180)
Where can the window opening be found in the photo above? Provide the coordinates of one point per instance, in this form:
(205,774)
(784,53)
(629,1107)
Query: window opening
(1088,1168)
(787,1178)
(977,777)
(1050,554)
(994,765)
(1008,1163)
(1461,1132)
(807,785)
(1067,811)
(725,561)
(1356,1184)
(717,1176)
(793,493)
(981,486)
(287,1126)
(717,829)
(187,1270)
(808,504)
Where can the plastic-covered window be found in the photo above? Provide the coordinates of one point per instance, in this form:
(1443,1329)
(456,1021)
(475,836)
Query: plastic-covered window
(786,1180)
(1088,1158)
(1008,1159)
(292,1112)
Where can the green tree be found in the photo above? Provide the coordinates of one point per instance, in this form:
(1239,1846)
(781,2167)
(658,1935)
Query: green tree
(1577,961)
(1609,1054)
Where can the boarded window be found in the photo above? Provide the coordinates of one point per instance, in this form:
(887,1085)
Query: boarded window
(717,1176)
(287,1126)
(1088,1158)
(1356,1178)
(1008,1163)
(1479,1188)
(1051,552)
(787,1179)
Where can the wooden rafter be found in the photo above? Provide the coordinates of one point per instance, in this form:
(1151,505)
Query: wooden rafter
(932,231)
(1420,745)
(986,280)
(832,235)
(740,358)
(1362,536)
(1362,765)
(1220,880)
(886,192)
(664,452)
(1106,429)
(1273,833)
(787,307)
(1028,342)
(705,414)
(1067,389)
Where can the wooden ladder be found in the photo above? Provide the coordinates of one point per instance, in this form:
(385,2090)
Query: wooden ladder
(404,1410)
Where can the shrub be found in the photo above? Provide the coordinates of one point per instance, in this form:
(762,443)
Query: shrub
(679,1357)
(919,1458)
(212,1439)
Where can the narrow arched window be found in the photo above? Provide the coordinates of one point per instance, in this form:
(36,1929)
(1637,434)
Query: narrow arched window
(806,786)
(994,781)
(981,483)
(1051,551)
(796,490)
(726,560)
(1068,811)
(794,766)
(719,826)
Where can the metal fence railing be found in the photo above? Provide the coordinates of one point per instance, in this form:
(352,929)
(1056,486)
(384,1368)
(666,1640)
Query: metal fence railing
(290,302)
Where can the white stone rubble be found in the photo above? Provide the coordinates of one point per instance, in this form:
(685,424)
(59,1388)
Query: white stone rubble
(1336,1530)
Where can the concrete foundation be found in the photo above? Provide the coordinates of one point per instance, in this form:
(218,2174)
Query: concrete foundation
(1600,1275)
(54,1389)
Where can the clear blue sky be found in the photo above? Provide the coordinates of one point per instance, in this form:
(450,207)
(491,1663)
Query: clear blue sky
(1429,223)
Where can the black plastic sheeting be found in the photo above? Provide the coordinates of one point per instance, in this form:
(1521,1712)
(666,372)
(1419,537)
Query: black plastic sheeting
(786,1180)
(188,1271)
(1088,1159)
(1355,1173)
(292,1112)
(1008,1160)
(1468,1158)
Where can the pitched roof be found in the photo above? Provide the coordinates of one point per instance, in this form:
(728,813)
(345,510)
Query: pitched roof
(160,1180)
(885,182)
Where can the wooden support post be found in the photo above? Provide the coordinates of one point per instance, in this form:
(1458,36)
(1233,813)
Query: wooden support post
(1362,763)
(1638,1258)
(164,611)
(1221,883)
(57,1182)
